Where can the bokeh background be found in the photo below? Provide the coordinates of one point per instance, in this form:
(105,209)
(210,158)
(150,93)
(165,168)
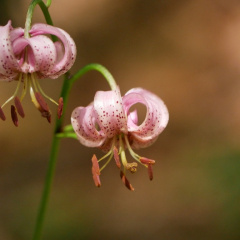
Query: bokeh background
(187,52)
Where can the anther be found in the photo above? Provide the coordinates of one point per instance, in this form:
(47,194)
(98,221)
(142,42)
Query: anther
(14,115)
(126,182)
(95,171)
(60,107)
(43,106)
(148,163)
(2,115)
(144,160)
(41,102)
(116,157)
(19,107)
(150,172)
(132,167)
(95,164)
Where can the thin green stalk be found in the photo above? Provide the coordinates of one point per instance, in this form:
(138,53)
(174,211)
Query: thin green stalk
(51,167)
(31,8)
(67,84)
(97,67)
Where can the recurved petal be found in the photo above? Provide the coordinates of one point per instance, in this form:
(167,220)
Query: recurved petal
(8,62)
(67,58)
(133,118)
(110,114)
(41,54)
(16,33)
(85,125)
(155,121)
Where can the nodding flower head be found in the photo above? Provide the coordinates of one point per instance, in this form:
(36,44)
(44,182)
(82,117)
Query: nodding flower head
(109,124)
(28,59)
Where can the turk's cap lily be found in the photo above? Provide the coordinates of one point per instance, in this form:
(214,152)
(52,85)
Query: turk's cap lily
(109,124)
(28,59)
(110,115)
(36,54)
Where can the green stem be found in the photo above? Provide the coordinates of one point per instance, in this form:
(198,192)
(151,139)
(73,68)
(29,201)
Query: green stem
(67,84)
(67,135)
(97,67)
(31,8)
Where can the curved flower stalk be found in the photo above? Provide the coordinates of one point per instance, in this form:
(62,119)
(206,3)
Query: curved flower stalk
(28,59)
(109,124)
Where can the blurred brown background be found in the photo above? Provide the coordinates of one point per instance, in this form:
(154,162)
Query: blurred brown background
(187,52)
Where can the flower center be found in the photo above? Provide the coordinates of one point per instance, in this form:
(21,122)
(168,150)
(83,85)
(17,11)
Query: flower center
(121,161)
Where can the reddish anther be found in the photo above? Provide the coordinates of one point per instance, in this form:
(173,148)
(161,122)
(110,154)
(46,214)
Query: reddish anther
(42,103)
(150,172)
(19,107)
(44,109)
(116,157)
(14,115)
(147,161)
(95,164)
(96,180)
(2,115)
(60,107)
(49,118)
(126,182)
(96,171)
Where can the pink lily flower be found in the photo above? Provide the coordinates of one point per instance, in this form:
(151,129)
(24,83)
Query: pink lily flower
(108,124)
(27,59)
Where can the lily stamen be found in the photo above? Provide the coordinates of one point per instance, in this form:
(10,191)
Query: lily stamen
(19,107)
(125,181)
(25,86)
(35,81)
(109,159)
(15,93)
(2,115)
(14,115)
(116,157)
(95,171)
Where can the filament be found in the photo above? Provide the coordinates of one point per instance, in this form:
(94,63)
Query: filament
(109,159)
(25,86)
(132,153)
(109,153)
(122,153)
(32,94)
(16,91)
(37,86)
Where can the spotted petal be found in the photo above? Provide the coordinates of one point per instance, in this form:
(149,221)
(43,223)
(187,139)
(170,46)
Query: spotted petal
(84,124)
(66,54)
(109,112)
(8,62)
(155,121)
(41,54)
